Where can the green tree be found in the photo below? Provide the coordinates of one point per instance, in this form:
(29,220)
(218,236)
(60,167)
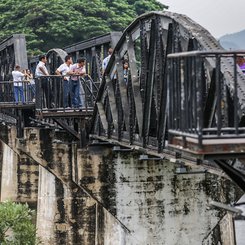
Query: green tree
(16,226)
(48,24)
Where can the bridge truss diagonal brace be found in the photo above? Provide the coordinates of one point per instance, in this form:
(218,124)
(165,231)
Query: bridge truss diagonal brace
(102,115)
(235,175)
(149,86)
(123,91)
(135,83)
(112,102)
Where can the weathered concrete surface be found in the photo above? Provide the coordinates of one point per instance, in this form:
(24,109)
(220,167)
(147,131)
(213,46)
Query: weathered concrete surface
(75,216)
(27,179)
(158,205)
(46,208)
(9,174)
(1,163)
(240,223)
(227,230)
(109,231)
(223,233)
(19,181)
(98,196)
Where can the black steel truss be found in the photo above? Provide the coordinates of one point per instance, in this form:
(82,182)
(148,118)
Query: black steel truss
(137,111)
(12,52)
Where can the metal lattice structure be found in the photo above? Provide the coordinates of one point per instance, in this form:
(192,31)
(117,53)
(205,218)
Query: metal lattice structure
(206,108)
(180,84)
(12,52)
(136,112)
(142,111)
(94,50)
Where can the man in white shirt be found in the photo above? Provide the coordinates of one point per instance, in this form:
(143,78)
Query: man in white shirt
(106,59)
(64,70)
(41,69)
(18,77)
(40,74)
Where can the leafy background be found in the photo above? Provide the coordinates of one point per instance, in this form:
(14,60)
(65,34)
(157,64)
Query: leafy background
(58,23)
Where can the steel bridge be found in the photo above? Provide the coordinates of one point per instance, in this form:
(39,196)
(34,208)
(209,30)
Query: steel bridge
(184,97)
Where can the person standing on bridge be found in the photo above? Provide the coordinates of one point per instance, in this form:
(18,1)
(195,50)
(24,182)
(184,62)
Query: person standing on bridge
(76,89)
(106,59)
(64,70)
(125,71)
(241,63)
(18,77)
(30,95)
(41,73)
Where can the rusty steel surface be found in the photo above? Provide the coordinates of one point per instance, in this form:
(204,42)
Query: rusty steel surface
(141,106)
(138,111)
(12,52)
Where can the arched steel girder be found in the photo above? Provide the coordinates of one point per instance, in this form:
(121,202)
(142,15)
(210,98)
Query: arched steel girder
(136,112)
(12,52)
(55,57)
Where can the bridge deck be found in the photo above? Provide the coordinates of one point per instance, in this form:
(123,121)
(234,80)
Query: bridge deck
(209,147)
(10,105)
(65,112)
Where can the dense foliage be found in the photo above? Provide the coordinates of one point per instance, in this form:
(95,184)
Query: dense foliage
(58,23)
(16,226)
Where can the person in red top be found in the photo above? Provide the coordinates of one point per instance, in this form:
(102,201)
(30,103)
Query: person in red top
(77,70)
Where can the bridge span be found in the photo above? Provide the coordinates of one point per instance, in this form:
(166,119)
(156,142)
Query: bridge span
(152,158)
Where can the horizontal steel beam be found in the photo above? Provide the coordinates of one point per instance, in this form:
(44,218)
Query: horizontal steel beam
(96,41)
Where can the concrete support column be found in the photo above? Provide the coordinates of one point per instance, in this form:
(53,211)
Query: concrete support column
(159,201)
(9,174)
(19,179)
(52,226)
(46,206)
(64,209)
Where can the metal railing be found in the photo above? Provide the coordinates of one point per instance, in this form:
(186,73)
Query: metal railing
(22,92)
(54,93)
(205,98)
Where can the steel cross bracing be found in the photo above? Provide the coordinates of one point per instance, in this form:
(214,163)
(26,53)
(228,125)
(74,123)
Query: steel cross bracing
(12,51)
(146,44)
(94,50)
(136,113)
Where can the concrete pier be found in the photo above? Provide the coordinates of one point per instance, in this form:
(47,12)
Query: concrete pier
(101,195)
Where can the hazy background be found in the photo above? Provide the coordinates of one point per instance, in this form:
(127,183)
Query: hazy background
(219,17)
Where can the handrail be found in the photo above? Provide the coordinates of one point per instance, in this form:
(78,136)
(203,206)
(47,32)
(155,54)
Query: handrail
(207,53)
(195,86)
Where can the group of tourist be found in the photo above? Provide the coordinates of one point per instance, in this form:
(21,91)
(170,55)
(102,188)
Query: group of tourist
(71,75)
(19,78)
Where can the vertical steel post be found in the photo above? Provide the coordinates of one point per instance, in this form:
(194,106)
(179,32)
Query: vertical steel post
(235,95)
(218,94)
